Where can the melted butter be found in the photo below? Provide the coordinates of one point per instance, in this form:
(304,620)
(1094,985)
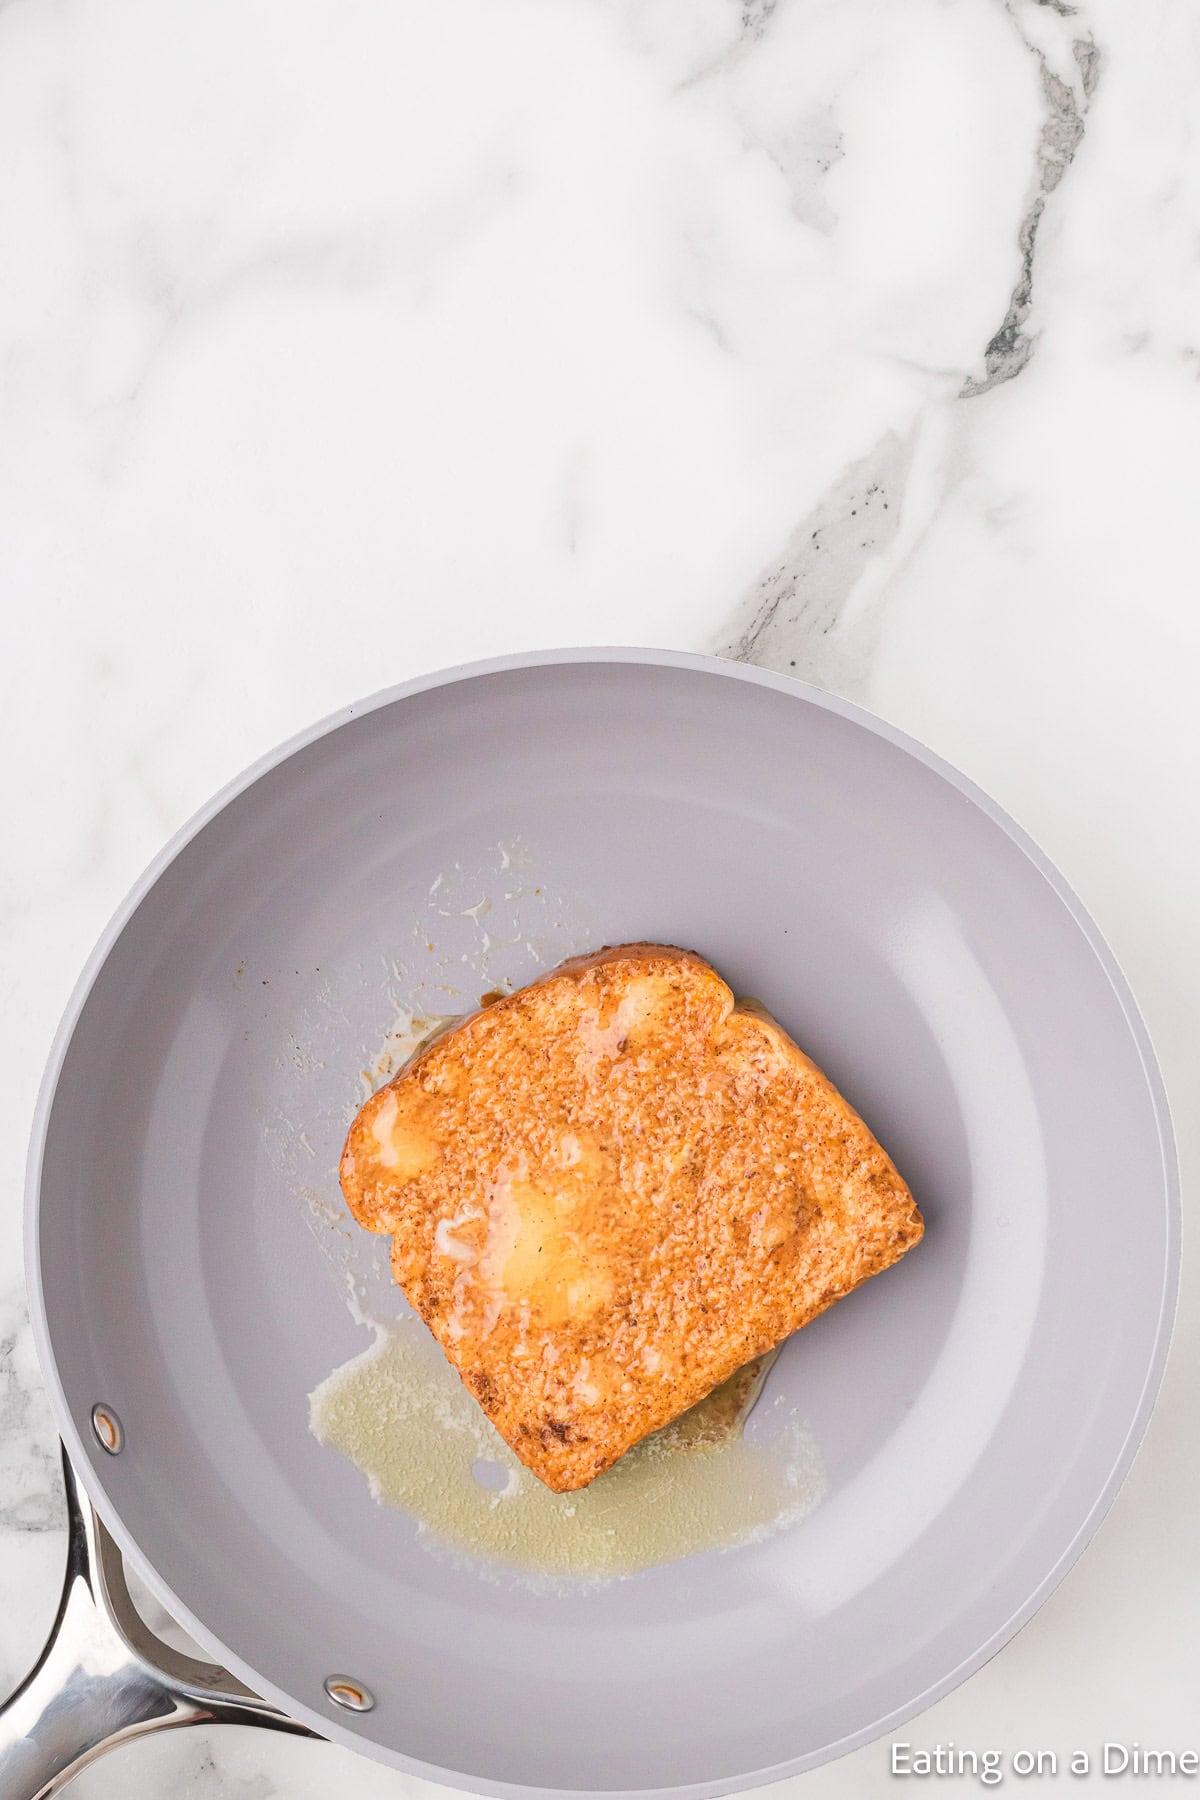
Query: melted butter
(528,1244)
(400,1414)
(401,1146)
(606,1036)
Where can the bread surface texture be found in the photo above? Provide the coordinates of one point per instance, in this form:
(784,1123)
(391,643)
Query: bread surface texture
(610,1190)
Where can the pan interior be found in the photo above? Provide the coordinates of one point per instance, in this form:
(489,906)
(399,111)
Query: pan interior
(970,1407)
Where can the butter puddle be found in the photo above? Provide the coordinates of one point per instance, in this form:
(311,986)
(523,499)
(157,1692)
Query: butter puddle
(400,1414)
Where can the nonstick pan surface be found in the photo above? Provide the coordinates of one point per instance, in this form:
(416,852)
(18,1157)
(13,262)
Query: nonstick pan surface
(975,1408)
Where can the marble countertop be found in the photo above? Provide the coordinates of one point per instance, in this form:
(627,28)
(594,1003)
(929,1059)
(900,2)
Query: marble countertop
(343,341)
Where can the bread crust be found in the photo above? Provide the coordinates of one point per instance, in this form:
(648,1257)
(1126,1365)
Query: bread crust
(610,1190)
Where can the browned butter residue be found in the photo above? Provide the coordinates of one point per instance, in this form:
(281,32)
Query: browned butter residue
(400,1413)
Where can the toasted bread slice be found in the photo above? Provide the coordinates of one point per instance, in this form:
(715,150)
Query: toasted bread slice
(609,1191)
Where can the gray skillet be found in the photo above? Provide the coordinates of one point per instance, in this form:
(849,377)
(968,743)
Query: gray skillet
(975,1409)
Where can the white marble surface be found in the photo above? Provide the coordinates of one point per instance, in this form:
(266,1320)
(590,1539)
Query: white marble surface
(341,341)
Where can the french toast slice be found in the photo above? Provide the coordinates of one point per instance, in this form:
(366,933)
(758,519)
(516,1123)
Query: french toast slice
(610,1190)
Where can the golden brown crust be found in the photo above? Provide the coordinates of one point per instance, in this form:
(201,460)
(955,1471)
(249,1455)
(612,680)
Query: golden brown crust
(610,1190)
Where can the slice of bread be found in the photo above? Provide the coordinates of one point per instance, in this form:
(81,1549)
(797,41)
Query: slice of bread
(610,1190)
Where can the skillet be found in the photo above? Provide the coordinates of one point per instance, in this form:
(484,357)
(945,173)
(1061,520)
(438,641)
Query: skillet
(975,1409)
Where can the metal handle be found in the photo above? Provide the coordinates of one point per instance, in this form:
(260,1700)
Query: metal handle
(104,1678)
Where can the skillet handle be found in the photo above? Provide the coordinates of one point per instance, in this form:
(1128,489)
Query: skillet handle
(104,1678)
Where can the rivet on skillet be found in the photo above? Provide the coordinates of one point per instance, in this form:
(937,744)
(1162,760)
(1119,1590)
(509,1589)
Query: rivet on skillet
(108,1429)
(350,1694)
